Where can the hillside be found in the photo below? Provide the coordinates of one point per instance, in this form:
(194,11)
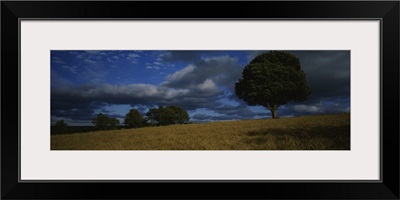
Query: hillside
(316,132)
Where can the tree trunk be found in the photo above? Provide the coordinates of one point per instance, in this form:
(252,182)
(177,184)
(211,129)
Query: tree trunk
(274,113)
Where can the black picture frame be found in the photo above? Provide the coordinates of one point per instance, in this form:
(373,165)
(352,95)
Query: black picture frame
(386,11)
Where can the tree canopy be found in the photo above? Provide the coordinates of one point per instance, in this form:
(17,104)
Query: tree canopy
(133,119)
(272,79)
(103,122)
(60,127)
(153,116)
(167,115)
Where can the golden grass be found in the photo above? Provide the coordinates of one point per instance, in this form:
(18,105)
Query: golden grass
(317,132)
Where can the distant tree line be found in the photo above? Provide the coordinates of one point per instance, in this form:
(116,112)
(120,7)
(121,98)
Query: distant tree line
(160,116)
(104,122)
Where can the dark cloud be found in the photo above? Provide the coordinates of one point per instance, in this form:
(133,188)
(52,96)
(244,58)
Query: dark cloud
(327,73)
(326,105)
(240,110)
(77,114)
(81,102)
(58,81)
(180,56)
(228,112)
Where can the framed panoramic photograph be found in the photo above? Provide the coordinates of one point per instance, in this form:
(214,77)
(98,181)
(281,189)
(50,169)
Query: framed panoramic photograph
(287,96)
(188,100)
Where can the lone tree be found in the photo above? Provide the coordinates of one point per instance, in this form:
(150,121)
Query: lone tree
(133,119)
(273,79)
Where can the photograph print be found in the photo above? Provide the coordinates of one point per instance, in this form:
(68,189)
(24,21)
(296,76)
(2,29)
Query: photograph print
(200,100)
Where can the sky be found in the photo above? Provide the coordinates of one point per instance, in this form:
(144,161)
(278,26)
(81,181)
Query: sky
(85,83)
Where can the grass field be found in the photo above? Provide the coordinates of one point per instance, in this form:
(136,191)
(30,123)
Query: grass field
(316,132)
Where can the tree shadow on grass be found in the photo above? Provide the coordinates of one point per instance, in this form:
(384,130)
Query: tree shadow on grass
(314,138)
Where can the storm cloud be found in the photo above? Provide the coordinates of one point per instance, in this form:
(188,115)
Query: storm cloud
(327,72)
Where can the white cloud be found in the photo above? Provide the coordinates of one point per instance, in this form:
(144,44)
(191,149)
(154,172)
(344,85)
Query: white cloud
(72,69)
(157,63)
(58,60)
(133,58)
(153,67)
(207,85)
(181,73)
(90,62)
(114,59)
